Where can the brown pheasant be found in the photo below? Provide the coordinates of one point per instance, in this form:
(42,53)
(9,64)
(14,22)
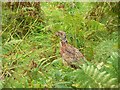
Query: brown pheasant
(69,53)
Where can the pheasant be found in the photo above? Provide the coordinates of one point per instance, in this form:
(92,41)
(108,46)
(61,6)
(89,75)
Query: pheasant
(70,54)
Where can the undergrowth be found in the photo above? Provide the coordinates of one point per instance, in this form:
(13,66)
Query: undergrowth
(30,49)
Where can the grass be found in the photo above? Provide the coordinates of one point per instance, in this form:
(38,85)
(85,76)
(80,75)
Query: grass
(30,49)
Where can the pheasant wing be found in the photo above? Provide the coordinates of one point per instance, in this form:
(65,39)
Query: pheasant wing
(74,54)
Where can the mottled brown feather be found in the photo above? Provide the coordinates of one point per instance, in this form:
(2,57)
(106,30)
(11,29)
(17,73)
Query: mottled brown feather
(69,53)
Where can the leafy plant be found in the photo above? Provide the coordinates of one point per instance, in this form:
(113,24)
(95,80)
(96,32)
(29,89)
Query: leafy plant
(32,59)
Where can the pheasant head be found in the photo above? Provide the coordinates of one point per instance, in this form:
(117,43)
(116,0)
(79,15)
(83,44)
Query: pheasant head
(62,36)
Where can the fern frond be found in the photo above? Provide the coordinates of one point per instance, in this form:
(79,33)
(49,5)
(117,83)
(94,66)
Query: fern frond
(11,45)
(41,62)
(98,78)
(104,50)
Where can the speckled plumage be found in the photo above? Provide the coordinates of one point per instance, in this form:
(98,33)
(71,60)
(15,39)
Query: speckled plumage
(69,53)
